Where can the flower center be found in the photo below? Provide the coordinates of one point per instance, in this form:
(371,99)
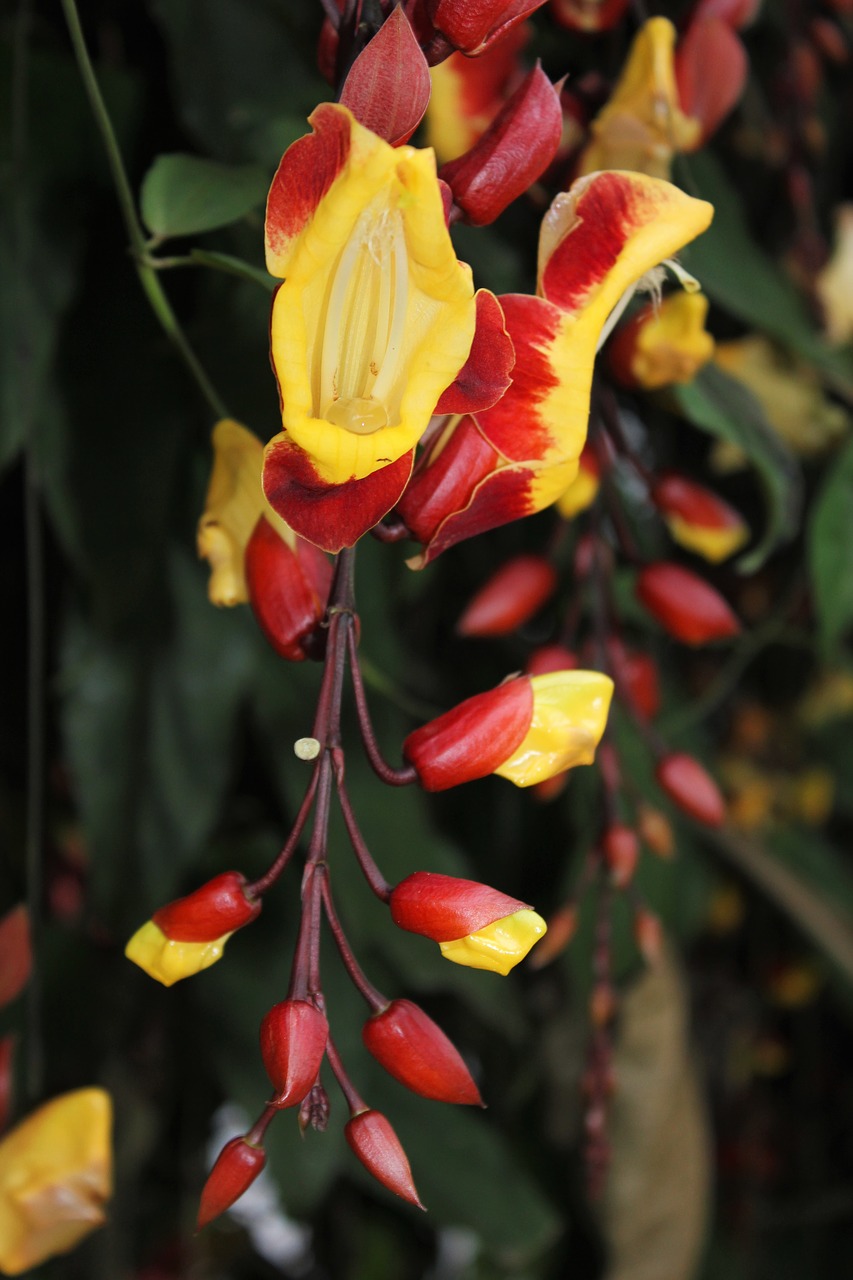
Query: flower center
(363,323)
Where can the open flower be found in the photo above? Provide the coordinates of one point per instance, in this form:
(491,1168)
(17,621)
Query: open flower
(374,322)
(55,1178)
(491,466)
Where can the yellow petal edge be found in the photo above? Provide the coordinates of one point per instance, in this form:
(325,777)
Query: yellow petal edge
(169,961)
(569,716)
(498,946)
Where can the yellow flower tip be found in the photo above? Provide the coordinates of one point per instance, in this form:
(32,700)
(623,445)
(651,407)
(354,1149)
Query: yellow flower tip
(235,502)
(580,494)
(673,344)
(569,716)
(169,961)
(714,545)
(55,1178)
(498,946)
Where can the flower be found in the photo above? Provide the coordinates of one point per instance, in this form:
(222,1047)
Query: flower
(253,555)
(473,924)
(55,1178)
(485,468)
(663,344)
(691,788)
(188,935)
(372,325)
(473,26)
(685,605)
(526,730)
(698,519)
(416,1052)
(583,490)
(642,125)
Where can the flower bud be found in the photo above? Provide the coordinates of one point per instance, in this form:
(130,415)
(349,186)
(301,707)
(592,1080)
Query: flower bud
(416,1052)
(684,604)
(288,587)
(188,935)
(551,657)
(526,730)
(378,1148)
(237,1166)
(636,677)
(655,831)
(691,788)
(293,1042)
(510,597)
(473,924)
(516,148)
(698,519)
(621,850)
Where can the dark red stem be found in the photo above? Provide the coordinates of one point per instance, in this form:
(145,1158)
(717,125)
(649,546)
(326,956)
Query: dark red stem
(360,981)
(393,777)
(355,1102)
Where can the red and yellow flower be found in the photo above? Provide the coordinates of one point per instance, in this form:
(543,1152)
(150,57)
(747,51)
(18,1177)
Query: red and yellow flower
(373,324)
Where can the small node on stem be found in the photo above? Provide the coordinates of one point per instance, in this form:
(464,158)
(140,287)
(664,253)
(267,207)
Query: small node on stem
(306,748)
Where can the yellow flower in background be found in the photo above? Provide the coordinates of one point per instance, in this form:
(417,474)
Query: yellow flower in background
(55,1178)
(834,284)
(498,946)
(642,126)
(235,502)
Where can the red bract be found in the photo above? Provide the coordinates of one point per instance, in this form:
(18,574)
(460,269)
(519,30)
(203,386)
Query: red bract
(473,739)
(217,908)
(293,1041)
(378,1148)
(416,1052)
(237,1166)
(510,597)
(288,590)
(387,87)
(445,907)
(472,25)
(516,148)
(684,604)
(691,788)
(15,953)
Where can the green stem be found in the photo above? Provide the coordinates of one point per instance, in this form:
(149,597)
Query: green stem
(151,285)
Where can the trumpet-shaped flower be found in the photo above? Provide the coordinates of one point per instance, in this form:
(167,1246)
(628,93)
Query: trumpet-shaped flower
(55,1178)
(483,469)
(373,324)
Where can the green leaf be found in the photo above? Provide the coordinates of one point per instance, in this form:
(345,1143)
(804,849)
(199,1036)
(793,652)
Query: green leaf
(739,276)
(184,195)
(830,539)
(722,406)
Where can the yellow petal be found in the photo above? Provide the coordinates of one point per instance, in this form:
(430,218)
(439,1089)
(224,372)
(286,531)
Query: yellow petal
(498,946)
(580,494)
(642,125)
(715,545)
(55,1178)
(235,501)
(672,343)
(569,716)
(376,316)
(167,960)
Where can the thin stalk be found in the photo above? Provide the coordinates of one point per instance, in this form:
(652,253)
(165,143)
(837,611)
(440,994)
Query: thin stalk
(355,1102)
(370,870)
(402,777)
(151,285)
(372,995)
(260,886)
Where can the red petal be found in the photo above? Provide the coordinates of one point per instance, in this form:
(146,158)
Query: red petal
(283,590)
(331,516)
(510,597)
(236,1168)
(446,907)
(516,148)
(502,497)
(472,739)
(684,604)
(472,25)
(16,958)
(692,788)
(307,170)
(485,375)
(388,86)
(218,907)
(378,1148)
(416,1052)
(445,478)
(293,1042)
(709,98)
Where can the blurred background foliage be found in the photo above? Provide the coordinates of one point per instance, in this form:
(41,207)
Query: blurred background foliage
(169,725)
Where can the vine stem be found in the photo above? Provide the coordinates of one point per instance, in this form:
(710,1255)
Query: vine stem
(393,777)
(151,285)
(372,995)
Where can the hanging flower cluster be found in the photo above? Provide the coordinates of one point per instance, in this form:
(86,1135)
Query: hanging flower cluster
(413,405)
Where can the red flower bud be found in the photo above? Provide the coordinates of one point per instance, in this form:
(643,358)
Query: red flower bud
(621,850)
(551,657)
(472,25)
(293,1041)
(473,739)
(648,935)
(698,518)
(710,42)
(684,604)
(445,907)
(588,15)
(416,1052)
(636,677)
(378,1148)
(692,788)
(516,148)
(387,87)
(218,907)
(510,597)
(237,1166)
(288,589)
